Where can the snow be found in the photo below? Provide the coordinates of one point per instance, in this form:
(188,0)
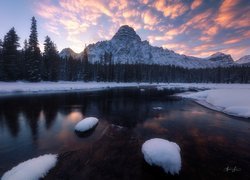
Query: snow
(13,88)
(32,169)
(157,108)
(244,60)
(230,101)
(163,153)
(86,124)
(126,47)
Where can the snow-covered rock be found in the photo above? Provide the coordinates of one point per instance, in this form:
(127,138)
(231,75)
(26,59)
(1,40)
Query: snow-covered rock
(231,101)
(245,60)
(162,153)
(32,169)
(86,124)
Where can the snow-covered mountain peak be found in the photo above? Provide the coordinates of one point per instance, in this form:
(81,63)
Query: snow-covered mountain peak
(67,52)
(221,58)
(126,33)
(126,47)
(217,54)
(244,60)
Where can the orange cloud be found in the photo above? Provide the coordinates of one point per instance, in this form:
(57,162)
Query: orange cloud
(87,21)
(196,4)
(231,15)
(232,41)
(149,18)
(212,31)
(173,9)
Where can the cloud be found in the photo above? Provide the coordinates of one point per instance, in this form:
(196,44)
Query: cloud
(149,18)
(234,14)
(232,41)
(172,9)
(195,4)
(192,27)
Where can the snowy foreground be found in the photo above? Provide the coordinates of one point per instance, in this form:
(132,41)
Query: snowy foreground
(32,169)
(13,88)
(86,124)
(230,101)
(163,153)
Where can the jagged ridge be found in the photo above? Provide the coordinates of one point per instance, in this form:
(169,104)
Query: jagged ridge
(127,47)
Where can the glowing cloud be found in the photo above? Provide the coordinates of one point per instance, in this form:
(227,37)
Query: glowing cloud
(192,27)
(195,4)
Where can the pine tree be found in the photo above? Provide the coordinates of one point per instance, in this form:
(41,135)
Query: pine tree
(1,60)
(50,61)
(10,55)
(24,58)
(86,67)
(33,61)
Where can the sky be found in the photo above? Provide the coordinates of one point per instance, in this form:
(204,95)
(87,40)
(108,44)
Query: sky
(192,27)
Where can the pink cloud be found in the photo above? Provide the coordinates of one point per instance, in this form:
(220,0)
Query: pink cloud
(172,9)
(195,4)
(149,18)
(230,15)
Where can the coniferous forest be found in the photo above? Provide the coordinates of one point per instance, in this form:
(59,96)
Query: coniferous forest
(30,64)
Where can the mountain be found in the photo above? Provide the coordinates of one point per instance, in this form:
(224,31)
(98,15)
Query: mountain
(245,60)
(127,47)
(67,52)
(222,59)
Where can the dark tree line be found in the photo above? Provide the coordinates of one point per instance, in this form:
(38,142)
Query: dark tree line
(29,64)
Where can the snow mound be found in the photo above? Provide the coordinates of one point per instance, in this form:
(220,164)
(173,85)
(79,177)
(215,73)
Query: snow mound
(86,124)
(32,169)
(163,153)
(231,101)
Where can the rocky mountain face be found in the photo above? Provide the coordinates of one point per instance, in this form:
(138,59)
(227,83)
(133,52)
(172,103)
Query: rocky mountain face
(245,60)
(67,52)
(127,47)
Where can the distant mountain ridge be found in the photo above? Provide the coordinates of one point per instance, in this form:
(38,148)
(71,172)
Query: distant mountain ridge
(245,60)
(127,47)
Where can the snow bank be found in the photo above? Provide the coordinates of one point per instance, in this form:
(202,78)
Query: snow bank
(10,88)
(231,101)
(32,169)
(86,124)
(162,153)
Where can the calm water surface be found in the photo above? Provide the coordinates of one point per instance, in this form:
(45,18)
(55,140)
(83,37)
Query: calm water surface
(210,141)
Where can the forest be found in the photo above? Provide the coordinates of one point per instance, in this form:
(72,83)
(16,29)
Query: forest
(30,64)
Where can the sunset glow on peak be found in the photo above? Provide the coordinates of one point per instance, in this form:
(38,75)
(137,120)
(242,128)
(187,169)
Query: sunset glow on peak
(193,27)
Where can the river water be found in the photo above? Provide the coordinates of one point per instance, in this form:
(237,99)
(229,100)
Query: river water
(211,142)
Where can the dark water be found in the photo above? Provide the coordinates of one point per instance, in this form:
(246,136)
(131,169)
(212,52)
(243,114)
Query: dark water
(210,141)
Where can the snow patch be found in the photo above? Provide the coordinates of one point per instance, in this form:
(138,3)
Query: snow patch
(86,124)
(231,101)
(157,108)
(163,153)
(32,169)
